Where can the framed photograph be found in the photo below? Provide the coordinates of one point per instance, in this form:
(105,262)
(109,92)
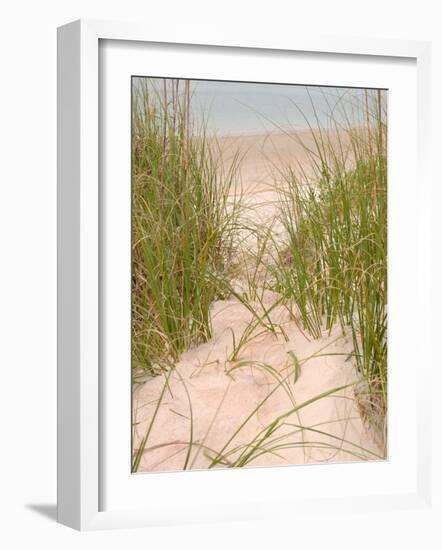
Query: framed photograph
(242,266)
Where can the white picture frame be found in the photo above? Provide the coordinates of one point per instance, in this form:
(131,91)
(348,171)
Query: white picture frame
(80,391)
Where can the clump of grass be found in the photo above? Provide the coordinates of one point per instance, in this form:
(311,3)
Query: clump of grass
(334,266)
(181,225)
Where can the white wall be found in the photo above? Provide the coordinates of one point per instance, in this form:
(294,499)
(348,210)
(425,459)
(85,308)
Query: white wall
(28,267)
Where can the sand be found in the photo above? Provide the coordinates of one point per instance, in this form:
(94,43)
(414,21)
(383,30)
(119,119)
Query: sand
(234,400)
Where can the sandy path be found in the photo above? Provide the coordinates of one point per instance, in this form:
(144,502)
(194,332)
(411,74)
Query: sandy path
(222,399)
(261,159)
(221,402)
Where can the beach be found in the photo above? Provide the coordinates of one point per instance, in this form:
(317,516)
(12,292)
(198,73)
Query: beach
(256,404)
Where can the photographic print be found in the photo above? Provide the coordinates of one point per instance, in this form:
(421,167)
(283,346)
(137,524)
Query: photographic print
(259,274)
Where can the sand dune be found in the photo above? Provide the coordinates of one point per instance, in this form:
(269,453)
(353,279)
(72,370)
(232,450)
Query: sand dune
(222,399)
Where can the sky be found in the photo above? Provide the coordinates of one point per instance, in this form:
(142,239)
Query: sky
(231,108)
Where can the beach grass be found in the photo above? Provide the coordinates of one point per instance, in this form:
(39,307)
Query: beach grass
(181,226)
(334,266)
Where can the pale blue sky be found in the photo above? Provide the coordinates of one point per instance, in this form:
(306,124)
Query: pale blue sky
(241,108)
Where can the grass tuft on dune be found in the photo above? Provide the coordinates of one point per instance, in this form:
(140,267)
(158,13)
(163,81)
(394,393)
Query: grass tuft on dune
(334,267)
(181,227)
